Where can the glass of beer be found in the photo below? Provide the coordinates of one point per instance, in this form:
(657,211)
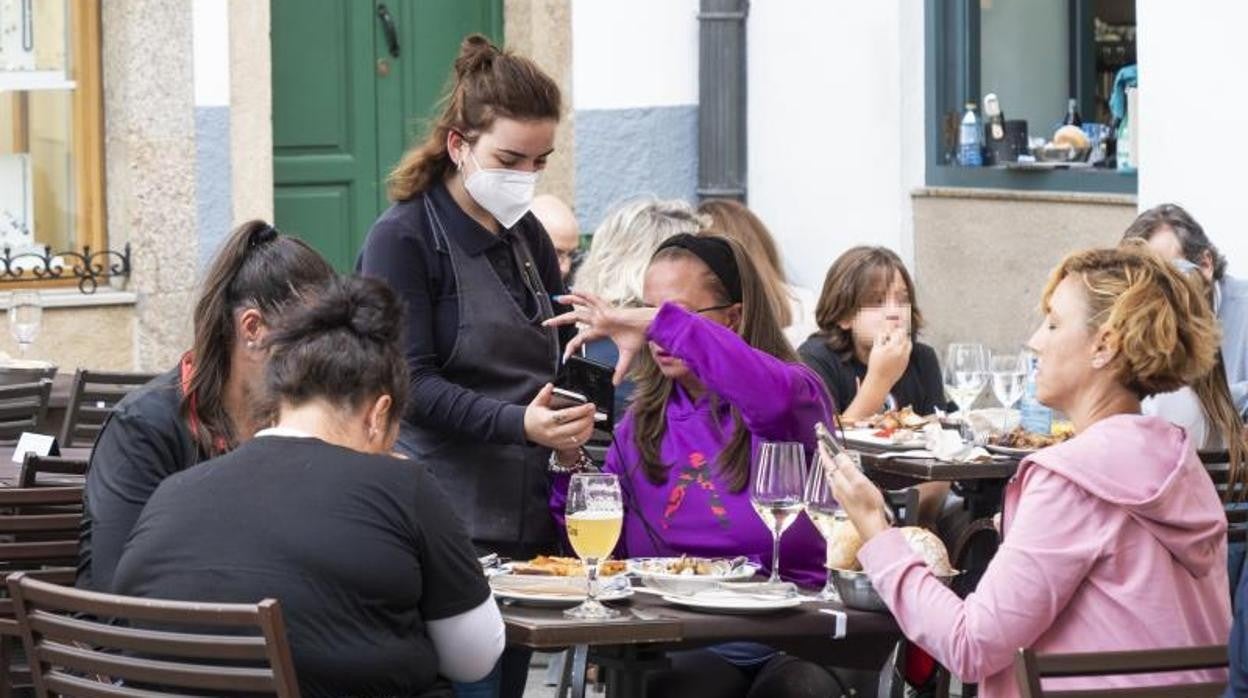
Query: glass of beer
(594,515)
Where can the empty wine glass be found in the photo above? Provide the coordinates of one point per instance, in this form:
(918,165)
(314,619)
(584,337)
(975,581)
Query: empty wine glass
(25,316)
(825,512)
(966,373)
(776,494)
(594,515)
(1009,378)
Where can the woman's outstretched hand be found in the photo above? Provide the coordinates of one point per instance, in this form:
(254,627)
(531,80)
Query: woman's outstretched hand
(597,319)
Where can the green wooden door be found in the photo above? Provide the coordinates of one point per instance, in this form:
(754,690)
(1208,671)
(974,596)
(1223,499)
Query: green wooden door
(345,108)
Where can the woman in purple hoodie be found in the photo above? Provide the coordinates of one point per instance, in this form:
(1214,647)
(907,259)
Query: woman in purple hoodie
(715,377)
(1114,540)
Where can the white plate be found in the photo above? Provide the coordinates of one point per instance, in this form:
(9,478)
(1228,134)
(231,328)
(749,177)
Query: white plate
(558,600)
(729,603)
(867,437)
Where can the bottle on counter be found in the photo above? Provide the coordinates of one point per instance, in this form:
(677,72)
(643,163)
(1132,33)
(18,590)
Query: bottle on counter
(1072,117)
(970,139)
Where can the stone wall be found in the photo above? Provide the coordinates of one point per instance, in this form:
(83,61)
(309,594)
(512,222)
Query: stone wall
(100,338)
(149,154)
(981,257)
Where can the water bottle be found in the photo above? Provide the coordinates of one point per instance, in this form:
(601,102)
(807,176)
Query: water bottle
(1036,418)
(970,139)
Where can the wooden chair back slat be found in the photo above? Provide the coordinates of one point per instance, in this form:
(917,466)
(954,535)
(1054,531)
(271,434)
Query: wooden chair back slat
(155,671)
(92,398)
(64,642)
(59,683)
(35,465)
(1031,668)
(41,523)
(40,496)
(23,407)
(156,642)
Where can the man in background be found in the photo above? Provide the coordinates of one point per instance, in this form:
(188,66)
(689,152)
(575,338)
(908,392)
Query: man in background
(560,224)
(1173,233)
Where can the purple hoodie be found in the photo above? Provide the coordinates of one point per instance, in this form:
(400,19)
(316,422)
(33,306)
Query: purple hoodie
(694,512)
(1114,540)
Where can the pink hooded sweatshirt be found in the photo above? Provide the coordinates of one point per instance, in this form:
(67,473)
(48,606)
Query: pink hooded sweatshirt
(1114,540)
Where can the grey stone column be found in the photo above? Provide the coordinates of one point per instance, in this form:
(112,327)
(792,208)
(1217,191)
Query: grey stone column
(149,155)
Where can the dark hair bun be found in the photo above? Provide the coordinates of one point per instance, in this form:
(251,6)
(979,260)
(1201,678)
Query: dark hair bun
(366,307)
(475,53)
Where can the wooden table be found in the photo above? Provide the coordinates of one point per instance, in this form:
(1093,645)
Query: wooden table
(628,646)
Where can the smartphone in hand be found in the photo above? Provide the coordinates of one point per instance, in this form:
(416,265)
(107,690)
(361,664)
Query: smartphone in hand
(582,380)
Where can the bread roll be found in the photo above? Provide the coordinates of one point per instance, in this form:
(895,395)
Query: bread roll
(1070,137)
(843,545)
(927,544)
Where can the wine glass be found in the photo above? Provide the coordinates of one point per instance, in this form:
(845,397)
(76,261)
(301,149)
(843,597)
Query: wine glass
(779,478)
(594,515)
(1009,378)
(825,512)
(25,316)
(966,373)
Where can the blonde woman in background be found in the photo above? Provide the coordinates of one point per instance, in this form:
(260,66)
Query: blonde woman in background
(615,266)
(794,306)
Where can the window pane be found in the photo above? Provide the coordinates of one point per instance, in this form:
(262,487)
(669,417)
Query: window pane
(1025,60)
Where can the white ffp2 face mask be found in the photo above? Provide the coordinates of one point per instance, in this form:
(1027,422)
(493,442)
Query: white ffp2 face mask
(506,194)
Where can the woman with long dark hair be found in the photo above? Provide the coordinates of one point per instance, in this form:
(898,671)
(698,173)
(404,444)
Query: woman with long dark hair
(204,406)
(715,377)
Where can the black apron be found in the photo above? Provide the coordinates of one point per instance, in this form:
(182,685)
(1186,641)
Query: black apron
(500,491)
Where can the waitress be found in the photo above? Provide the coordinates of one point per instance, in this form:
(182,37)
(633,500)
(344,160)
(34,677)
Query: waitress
(476,272)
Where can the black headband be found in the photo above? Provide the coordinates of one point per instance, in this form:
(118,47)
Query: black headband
(716,253)
(261,235)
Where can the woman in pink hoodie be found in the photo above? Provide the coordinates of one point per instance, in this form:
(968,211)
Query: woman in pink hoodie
(1114,540)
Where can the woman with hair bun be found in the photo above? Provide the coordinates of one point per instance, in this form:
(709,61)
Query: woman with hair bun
(1114,540)
(379,584)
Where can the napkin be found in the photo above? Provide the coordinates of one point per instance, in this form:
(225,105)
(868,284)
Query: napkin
(947,445)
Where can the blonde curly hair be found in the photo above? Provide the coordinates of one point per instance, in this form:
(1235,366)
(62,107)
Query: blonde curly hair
(1167,334)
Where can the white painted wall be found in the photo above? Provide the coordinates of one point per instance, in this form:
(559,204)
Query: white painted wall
(641,53)
(836,95)
(211,45)
(1193,149)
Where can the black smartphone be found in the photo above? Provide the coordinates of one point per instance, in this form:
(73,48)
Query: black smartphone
(582,380)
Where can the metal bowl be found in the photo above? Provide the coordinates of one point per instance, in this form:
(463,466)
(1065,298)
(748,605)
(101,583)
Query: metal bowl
(26,371)
(1058,153)
(856,591)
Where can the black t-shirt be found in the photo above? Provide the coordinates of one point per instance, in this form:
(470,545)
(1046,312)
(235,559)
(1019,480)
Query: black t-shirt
(361,550)
(143,442)
(921,386)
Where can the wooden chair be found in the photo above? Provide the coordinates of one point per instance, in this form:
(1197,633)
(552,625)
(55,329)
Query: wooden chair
(23,407)
(1030,668)
(1217,464)
(71,653)
(38,533)
(92,398)
(64,470)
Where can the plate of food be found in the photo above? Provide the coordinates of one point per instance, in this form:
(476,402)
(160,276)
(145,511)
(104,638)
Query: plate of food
(1019,442)
(555,591)
(688,575)
(895,429)
(554,566)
